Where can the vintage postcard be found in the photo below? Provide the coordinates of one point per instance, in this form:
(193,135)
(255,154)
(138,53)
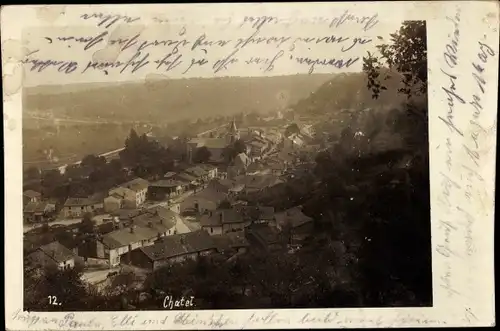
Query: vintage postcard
(249,166)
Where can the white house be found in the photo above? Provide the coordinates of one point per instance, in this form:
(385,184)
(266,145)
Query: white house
(140,187)
(131,194)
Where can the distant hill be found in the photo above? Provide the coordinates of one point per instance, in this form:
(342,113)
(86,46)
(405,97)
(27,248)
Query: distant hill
(172,100)
(349,91)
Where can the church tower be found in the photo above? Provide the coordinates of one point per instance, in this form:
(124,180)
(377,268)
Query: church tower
(233,133)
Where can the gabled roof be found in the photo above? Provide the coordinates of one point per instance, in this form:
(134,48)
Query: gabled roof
(196,171)
(154,222)
(77,202)
(136,185)
(32,194)
(186,177)
(222,216)
(166,183)
(179,244)
(257,182)
(57,252)
(230,240)
(125,236)
(209,194)
(35,207)
(293,216)
(265,234)
(163,219)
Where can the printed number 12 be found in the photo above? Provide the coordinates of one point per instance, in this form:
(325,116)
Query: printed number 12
(53,300)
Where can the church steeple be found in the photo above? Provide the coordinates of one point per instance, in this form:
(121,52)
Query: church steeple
(233,132)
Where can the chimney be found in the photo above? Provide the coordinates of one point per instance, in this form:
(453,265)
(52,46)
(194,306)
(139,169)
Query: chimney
(132,228)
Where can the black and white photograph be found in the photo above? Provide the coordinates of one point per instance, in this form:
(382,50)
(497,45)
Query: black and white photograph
(247,165)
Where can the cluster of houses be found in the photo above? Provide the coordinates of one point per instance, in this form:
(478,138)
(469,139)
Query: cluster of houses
(150,238)
(153,238)
(156,237)
(36,209)
(173,184)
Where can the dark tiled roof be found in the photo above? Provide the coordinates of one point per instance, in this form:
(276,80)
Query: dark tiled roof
(263,212)
(209,194)
(57,252)
(186,177)
(125,236)
(180,244)
(293,216)
(265,234)
(228,216)
(160,219)
(70,202)
(166,183)
(196,171)
(38,259)
(33,207)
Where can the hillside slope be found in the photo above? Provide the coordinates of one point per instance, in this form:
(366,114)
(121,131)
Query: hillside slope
(349,91)
(172,100)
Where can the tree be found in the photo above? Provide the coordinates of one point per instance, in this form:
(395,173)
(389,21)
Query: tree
(202,155)
(405,55)
(66,285)
(93,162)
(52,182)
(86,226)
